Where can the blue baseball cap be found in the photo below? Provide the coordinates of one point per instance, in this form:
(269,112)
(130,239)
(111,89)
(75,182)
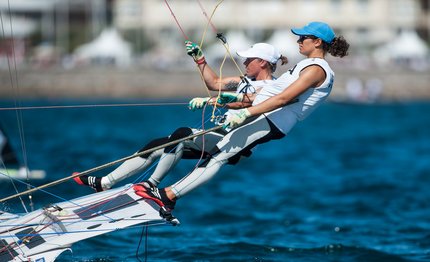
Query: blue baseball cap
(318,29)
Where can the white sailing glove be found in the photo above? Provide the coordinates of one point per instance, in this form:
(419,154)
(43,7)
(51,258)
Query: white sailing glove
(198,103)
(236,119)
(225,98)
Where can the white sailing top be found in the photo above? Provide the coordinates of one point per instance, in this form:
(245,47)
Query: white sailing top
(286,117)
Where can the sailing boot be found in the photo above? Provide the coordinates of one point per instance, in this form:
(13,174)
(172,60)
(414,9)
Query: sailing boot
(91,181)
(149,191)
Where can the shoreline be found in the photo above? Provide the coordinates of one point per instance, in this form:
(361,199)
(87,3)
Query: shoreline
(107,82)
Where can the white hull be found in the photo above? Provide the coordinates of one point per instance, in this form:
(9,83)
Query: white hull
(22,174)
(44,234)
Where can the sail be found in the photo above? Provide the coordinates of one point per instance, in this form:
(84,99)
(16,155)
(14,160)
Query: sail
(7,156)
(10,165)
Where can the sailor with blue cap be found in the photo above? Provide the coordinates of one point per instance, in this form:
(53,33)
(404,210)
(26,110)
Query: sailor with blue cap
(318,29)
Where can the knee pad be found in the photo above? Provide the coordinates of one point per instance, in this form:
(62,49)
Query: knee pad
(178,134)
(152,144)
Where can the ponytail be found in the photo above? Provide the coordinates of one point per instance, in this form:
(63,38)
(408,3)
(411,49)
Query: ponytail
(284,60)
(338,47)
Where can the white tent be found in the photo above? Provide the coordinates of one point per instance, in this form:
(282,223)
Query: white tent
(166,53)
(407,45)
(21,27)
(107,47)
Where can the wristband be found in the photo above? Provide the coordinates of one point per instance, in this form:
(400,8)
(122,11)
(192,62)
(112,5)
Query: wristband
(201,61)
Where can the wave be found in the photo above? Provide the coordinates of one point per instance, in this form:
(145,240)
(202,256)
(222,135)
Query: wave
(243,251)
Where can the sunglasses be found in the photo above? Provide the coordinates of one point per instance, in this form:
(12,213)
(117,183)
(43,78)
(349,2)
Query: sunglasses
(304,37)
(250,59)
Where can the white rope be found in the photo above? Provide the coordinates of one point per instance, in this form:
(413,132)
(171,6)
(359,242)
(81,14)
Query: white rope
(18,113)
(90,106)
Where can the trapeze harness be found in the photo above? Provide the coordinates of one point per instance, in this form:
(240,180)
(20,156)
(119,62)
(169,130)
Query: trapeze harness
(270,126)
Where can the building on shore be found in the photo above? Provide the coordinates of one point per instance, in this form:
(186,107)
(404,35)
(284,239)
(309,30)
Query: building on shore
(57,28)
(364,22)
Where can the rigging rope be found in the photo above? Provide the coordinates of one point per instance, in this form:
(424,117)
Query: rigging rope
(144,230)
(209,19)
(16,96)
(219,35)
(224,42)
(92,106)
(186,38)
(209,22)
(176,20)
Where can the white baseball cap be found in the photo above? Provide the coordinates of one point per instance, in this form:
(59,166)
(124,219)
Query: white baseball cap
(261,50)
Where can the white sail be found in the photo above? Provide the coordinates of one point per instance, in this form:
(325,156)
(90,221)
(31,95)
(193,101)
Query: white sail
(7,156)
(9,163)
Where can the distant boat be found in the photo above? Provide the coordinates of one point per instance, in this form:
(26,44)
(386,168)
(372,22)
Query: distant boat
(10,166)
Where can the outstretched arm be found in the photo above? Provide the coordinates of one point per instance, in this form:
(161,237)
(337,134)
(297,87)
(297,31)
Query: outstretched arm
(311,76)
(215,83)
(212,80)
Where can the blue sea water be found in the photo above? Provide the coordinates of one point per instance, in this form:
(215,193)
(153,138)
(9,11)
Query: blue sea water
(350,183)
